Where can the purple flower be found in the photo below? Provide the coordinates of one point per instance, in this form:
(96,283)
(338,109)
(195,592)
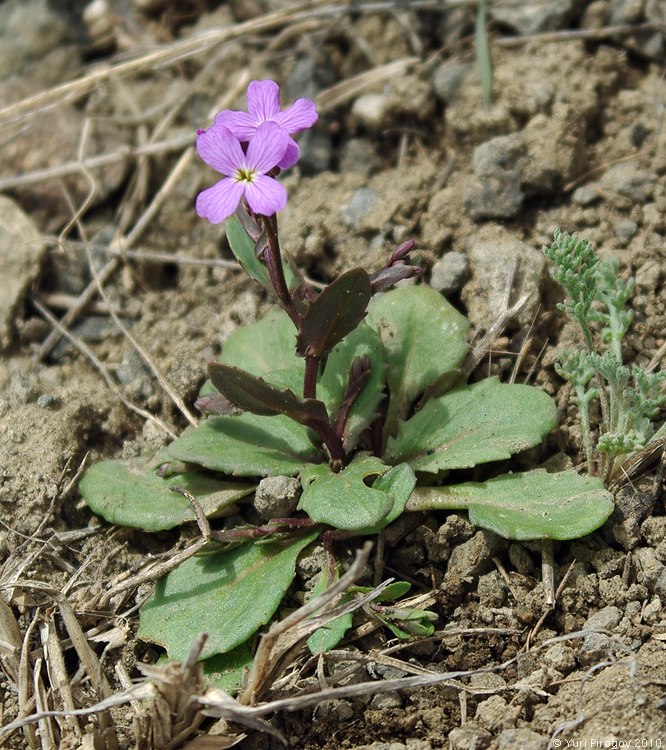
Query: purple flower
(263,105)
(246,173)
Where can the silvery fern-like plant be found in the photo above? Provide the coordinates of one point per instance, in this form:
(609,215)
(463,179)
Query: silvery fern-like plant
(625,399)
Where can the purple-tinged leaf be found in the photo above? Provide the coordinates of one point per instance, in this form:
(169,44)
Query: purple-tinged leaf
(338,309)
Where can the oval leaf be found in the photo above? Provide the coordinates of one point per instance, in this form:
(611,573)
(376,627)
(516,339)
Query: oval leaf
(130,493)
(338,309)
(474,424)
(398,483)
(528,505)
(343,500)
(224,595)
(247,445)
(424,337)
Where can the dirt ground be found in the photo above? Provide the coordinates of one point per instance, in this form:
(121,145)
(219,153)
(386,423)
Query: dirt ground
(99,106)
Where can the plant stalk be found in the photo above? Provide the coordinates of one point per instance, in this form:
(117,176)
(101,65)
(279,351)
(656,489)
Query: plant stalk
(273,259)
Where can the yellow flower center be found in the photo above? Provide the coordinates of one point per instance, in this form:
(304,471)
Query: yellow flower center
(244,175)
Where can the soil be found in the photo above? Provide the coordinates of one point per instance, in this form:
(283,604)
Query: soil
(404,148)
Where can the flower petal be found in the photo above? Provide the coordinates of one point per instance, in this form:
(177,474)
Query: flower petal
(301,115)
(241,124)
(265,195)
(218,202)
(263,101)
(220,149)
(267,147)
(291,155)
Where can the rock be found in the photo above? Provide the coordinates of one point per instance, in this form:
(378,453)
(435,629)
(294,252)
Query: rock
(39,42)
(494,714)
(277,497)
(535,16)
(447,78)
(370,110)
(493,254)
(359,205)
(474,557)
(21,256)
(22,389)
(596,647)
(556,149)
(494,190)
(586,195)
(625,230)
(631,508)
(359,155)
(449,273)
(652,572)
(469,735)
(334,710)
(521,559)
(605,619)
(560,657)
(628,180)
(521,738)
(382,701)
(625,12)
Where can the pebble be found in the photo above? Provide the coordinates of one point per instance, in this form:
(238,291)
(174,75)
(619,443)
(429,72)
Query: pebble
(449,273)
(447,79)
(493,254)
(277,497)
(371,110)
(469,735)
(45,401)
(359,155)
(335,710)
(494,190)
(494,713)
(474,557)
(359,205)
(625,230)
(605,619)
(596,647)
(382,701)
(629,180)
(21,255)
(521,738)
(586,195)
(534,17)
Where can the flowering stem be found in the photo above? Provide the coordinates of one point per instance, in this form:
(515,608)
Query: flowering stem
(273,258)
(310,379)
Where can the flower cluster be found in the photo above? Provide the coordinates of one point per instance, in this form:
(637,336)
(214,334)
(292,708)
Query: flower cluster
(247,148)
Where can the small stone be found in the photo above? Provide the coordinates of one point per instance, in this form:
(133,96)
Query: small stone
(474,557)
(359,155)
(494,189)
(447,78)
(469,735)
(625,230)
(334,710)
(22,389)
(449,273)
(521,738)
(586,195)
(45,401)
(21,256)
(625,11)
(385,671)
(371,110)
(277,497)
(521,559)
(629,180)
(560,657)
(535,16)
(494,713)
(382,701)
(605,619)
(596,647)
(494,254)
(359,205)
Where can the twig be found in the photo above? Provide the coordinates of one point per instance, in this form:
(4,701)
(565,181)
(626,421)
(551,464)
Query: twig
(583,34)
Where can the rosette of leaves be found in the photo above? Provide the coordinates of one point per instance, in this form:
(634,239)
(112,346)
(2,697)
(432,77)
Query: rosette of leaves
(391,418)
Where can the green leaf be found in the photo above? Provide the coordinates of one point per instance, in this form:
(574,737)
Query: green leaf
(482,49)
(225,671)
(424,337)
(473,424)
(328,636)
(250,393)
(228,595)
(343,500)
(247,445)
(264,346)
(130,493)
(334,313)
(398,483)
(528,505)
(363,341)
(243,248)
